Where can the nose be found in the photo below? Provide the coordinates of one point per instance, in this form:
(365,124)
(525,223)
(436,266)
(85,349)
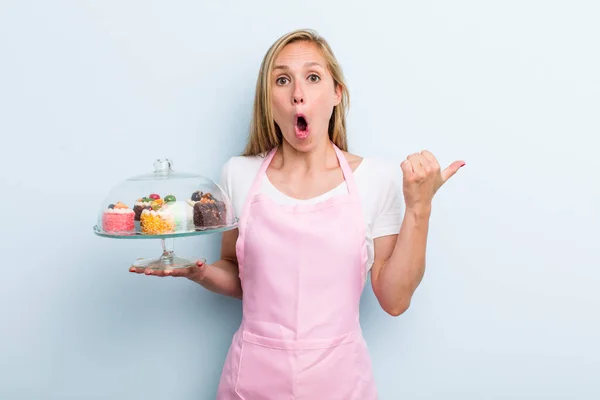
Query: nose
(298,95)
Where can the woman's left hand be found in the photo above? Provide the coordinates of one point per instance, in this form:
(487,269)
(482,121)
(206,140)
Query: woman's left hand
(422,179)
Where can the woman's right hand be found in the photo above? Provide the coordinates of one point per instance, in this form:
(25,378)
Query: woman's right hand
(221,276)
(195,272)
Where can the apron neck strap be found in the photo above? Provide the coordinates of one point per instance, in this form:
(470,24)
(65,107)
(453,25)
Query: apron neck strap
(348,175)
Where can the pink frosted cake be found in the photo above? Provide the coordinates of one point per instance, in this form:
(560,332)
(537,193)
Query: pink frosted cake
(118,218)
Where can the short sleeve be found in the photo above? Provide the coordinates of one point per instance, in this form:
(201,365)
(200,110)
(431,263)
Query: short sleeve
(236,178)
(225,180)
(390,207)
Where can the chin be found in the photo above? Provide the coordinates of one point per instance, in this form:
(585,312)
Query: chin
(303,145)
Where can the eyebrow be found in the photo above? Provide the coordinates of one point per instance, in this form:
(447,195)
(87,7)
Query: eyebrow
(308,64)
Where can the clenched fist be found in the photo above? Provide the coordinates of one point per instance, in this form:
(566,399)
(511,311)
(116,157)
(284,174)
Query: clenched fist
(422,177)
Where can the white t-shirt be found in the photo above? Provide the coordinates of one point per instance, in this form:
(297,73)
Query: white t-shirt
(378,185)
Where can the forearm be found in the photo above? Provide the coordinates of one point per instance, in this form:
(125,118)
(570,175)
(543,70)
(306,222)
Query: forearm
(220,277)
(402,272)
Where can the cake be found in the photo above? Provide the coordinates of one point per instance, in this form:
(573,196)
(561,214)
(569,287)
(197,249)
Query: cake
(145,203)
(208,211)
(182,212)
(118,218)
(156,220)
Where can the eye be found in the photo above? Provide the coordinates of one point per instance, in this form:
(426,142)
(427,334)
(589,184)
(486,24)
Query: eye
(314,78)
(282,80)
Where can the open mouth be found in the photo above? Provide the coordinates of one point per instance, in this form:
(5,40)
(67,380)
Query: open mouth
(301,126)
(301,123)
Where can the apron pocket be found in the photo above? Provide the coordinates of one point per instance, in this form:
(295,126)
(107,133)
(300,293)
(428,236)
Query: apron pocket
(281,369)
(265,369)
(334,372)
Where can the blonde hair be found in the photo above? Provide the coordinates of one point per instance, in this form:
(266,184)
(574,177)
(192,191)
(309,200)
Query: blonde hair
(264,133)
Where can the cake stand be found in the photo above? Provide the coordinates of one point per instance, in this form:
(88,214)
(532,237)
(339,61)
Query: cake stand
(165,205)
(168,259)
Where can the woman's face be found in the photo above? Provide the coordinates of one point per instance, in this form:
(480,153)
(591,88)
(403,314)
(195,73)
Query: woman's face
(303,95)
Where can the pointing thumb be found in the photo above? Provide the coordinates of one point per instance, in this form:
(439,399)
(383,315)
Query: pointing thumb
(452,169)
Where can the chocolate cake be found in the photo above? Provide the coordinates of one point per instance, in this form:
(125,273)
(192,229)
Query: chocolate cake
(141,205)
(208,211)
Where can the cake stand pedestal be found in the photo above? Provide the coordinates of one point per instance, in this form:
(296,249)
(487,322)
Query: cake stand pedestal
(167,261)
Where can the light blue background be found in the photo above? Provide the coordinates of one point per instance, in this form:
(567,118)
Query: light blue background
(92,92)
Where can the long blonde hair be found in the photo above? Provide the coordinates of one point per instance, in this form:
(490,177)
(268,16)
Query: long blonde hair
(264,133)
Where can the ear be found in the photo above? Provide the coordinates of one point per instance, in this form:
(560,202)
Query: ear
(337,97)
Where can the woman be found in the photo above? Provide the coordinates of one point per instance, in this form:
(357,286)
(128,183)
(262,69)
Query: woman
(314,220)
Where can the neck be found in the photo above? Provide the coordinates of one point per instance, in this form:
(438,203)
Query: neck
(319,158)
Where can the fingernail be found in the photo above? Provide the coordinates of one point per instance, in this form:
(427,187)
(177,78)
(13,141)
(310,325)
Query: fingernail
(167,272)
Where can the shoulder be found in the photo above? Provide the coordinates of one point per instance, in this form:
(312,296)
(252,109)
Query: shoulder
(374,175)
(241,163)
(371,165)
(376,171)
(353,160)
(383,169)
(237,175)
(239,169)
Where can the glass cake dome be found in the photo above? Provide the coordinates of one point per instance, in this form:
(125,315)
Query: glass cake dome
(164,204)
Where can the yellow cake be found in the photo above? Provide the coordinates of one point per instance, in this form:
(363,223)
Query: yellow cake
(156,222)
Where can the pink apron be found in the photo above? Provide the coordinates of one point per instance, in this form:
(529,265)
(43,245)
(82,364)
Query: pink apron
(302,269)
